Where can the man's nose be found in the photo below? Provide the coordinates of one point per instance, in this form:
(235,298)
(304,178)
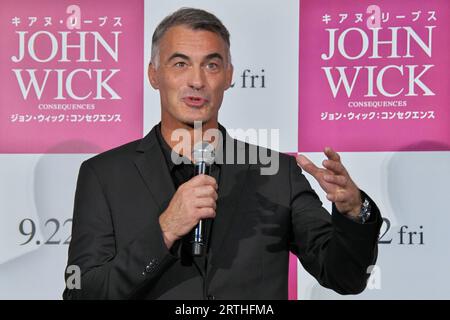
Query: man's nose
(196,78)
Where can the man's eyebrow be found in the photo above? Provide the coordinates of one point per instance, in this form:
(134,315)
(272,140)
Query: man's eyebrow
(178,55)
(213,56)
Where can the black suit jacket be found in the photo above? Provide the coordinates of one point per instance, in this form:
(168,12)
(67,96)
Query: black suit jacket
(117,241)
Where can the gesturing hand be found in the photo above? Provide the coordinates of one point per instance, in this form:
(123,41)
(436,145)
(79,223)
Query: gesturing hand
(335,181)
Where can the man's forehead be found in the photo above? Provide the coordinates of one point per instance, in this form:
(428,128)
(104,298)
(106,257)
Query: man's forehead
(183,37)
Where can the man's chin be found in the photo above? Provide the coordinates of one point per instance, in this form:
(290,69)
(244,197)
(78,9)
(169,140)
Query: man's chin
(191,122)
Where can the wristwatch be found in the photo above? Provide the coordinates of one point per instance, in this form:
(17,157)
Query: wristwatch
(364,214)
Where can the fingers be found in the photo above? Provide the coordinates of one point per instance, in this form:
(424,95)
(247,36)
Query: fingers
(205,203)
(203,180)
(306,164)
(334,180)
(339,180)
(334,166)
(340,195)
(331,154)
(194,200)
(206,191)
(334,161)
(204,213)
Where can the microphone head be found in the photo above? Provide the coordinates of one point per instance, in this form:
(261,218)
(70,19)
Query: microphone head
(203,152)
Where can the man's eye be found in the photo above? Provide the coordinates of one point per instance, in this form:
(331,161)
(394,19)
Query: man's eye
(212,66)
(180,64)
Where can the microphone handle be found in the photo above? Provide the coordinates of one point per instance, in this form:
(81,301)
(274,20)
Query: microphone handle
(202,168)
(198,241)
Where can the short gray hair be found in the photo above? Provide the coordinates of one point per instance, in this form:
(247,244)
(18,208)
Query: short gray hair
(196,19)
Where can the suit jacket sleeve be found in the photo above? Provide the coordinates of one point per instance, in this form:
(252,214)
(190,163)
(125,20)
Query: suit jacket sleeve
(334,249)
(106,272)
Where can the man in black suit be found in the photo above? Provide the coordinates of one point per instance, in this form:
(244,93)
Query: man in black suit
(135,208)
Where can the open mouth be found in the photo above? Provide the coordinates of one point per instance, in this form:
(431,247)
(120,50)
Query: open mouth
(194,101)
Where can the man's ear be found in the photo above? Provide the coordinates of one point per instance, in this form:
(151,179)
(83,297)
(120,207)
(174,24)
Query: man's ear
(152,77)
(229,76)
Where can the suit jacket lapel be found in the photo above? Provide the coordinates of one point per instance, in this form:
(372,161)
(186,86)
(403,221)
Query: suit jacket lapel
(231,186)
(153,168)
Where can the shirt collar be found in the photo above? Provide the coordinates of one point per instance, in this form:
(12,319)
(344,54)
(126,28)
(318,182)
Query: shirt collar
(167,150)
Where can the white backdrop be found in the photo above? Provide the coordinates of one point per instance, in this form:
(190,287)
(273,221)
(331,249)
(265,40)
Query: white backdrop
(411,188)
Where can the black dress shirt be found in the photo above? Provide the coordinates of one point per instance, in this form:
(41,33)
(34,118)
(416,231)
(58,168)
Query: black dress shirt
(181,173)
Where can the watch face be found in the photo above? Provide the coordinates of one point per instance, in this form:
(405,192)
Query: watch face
(365,210)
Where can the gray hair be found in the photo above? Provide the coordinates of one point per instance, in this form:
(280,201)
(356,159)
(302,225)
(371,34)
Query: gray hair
(196,19)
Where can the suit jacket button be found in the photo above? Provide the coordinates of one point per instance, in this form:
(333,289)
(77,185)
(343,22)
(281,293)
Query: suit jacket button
(211,297)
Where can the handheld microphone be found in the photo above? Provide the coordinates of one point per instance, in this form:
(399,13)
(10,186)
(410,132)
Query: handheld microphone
(203,157)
